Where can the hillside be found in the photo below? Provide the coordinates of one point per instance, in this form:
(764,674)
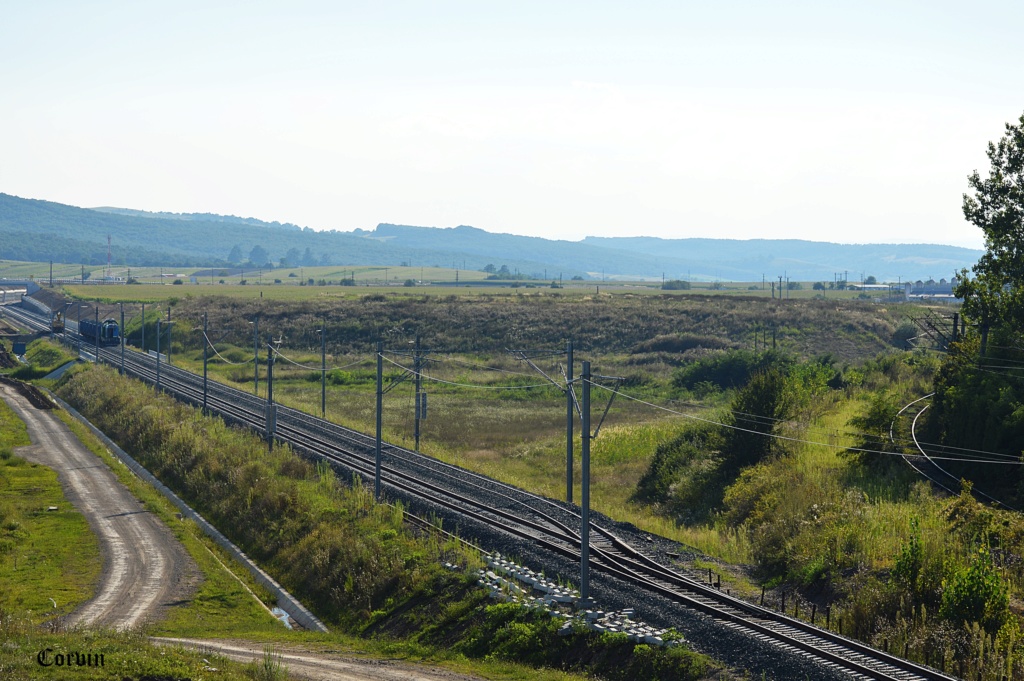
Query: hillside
(43,230)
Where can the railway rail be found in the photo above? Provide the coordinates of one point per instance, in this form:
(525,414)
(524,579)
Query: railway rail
(925,465)
(552,526)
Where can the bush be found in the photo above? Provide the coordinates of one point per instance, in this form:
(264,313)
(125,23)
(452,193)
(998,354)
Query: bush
(729,369)
(679,343)
(976,594)
(683,463)
(902,335)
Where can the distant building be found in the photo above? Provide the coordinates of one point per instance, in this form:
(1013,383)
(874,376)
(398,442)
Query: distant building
(941,291)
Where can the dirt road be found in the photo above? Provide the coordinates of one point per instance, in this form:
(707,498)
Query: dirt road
(145,567)
(320,665)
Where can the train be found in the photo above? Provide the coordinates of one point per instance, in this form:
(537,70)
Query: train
(105,333)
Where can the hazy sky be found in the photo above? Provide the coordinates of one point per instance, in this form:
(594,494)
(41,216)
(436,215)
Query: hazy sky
(851,122)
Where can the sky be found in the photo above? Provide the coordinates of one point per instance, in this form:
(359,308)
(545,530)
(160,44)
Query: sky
(845,122)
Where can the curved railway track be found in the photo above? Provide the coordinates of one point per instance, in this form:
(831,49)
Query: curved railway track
(927,466)
(550,525)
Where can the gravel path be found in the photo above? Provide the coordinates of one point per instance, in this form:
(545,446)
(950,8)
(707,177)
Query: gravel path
(145,569)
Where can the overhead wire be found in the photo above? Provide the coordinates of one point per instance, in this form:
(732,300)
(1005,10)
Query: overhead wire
(222,357)
(280,354)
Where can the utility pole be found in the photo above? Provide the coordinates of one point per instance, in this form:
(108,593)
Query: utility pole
(206,344)
(51,274)
(380,403)
(416,363)
(96,335)
(569,416)
(143,327)
(585,491)
(323,369)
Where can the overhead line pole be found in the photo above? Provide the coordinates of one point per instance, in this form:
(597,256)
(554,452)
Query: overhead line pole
(169,335)
(123,339)
(158,322)
(323,369)
(585,491)
(380,403)
(256,356)
(416,368)
(568,422)
(206,344)
(271,411)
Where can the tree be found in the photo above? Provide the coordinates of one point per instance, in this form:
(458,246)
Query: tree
(871,280)
(758,412)
(996,206)
(258,255)
(235,256)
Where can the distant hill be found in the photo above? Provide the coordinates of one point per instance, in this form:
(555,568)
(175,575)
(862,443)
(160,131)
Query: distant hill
(196,217)
(798,258)
(42,230)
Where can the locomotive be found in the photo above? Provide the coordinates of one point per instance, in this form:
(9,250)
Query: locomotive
(105,333)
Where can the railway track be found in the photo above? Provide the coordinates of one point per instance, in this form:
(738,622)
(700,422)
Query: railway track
(544,523)
(32,321)
(925,464)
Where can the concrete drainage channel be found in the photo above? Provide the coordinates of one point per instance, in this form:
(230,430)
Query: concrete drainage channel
(514,583)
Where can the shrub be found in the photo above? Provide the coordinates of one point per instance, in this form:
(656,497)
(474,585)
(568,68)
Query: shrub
(976,594)
(729,369)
